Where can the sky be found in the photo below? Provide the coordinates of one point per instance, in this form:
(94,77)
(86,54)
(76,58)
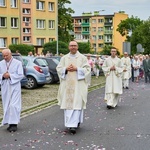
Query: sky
(139,8)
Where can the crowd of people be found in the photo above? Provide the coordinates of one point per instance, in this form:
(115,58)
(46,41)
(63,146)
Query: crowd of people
(74,71)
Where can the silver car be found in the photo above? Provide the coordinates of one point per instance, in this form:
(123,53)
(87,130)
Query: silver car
(37,72)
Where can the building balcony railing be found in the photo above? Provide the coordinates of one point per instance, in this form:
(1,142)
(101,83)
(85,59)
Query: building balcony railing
(86,32)
(85,24)
(77,24)
(108,31)
(108,40)
(108,24)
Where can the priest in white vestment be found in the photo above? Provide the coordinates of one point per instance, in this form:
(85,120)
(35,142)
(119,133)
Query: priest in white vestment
(126,70)
(112,68)
(74,73)
(11,73)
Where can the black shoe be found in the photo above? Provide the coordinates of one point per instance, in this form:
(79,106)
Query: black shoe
(109,107)
(79,125)
(127,87)
(12,128)
(72,130)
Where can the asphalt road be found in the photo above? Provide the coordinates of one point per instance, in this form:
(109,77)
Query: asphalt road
(125,128)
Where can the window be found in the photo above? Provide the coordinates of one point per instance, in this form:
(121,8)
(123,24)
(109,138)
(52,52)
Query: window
(26,1)
(14,22)
(26,11)
(100,45)
(100,28)
(26,30)
(51,39)
(14,40)
(2,42)
(100,37)
(26,19)
(51,6)
(13,3)
(40,24)
(40,5)
(2,22)
(93,20)
(94,29)
(40,41)
(100,20)
(51,24)
(2,3)
(26,38)
(94,37)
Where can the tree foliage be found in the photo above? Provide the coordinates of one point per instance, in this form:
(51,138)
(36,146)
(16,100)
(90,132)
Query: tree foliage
(84,48)
(64,21)
(129,25)
(141,35)
(51,47)
(106,50)
(22,48)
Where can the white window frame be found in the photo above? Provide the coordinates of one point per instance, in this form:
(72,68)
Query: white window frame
(26,11)
(2,20)
(26,1)
(40,5)
(100,37)
(14,22)
(26,39)
(14,40)
(2,3)
(40,41)
(40,24)
(51,24)
(51,39)
(3,42)
(13,3)
(51,6)
(26,19)
(26,30)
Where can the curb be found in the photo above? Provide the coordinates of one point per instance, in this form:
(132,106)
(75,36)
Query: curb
(44,105)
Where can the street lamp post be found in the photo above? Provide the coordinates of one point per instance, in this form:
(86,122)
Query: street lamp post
(56,28)
(96,49)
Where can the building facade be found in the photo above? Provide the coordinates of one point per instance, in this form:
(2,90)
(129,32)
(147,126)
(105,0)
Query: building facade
(31,22)
(99,30)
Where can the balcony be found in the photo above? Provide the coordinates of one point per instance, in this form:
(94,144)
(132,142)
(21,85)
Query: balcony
(108,24)
(85,32)
(108,32)
(108,40)
(84,24)
(77,24)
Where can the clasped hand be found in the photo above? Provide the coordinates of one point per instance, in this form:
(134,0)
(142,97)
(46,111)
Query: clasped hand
(6,75)
(71,68)
(113,68)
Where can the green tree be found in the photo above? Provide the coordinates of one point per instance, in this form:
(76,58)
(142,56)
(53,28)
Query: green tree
(141,35)
(22,48)
(84,47)
(51,46)
(64,21)
(129,25)
(106,50)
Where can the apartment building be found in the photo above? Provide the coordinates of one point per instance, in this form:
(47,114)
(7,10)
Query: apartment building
(99,30)
(31,22)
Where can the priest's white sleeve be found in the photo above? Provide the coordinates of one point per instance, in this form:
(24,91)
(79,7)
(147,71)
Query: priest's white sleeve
(63,74)
(80,74)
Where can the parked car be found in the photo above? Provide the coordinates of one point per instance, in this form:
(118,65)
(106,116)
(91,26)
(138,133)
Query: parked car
(37,72)
(56,57)
(19,57)
(52,64)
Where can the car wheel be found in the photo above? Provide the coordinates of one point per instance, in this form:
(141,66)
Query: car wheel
(51,79)
(31,83)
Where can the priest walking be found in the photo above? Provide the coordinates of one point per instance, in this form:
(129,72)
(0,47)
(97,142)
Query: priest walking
(74,73)
(11,72)
(112,68)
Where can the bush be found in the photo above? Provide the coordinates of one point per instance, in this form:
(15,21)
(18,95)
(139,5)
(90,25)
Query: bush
(22,48)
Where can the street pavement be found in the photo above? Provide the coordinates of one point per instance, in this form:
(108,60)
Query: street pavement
(126,127)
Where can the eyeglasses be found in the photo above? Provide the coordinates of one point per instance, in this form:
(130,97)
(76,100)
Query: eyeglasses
(72,45)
